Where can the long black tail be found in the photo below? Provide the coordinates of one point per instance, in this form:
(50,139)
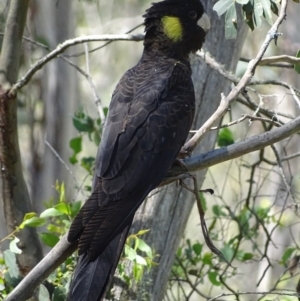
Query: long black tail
(92,279)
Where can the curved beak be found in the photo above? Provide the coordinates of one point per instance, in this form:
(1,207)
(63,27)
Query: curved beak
(204,22)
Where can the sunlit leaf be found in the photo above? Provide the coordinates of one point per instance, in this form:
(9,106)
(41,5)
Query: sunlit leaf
(140,260)
(63,208)
(144,247)
(13,246)
(142,232)
(33,222)
(130,253)
(50,212)
(258,12)
(222,6)
(266,4)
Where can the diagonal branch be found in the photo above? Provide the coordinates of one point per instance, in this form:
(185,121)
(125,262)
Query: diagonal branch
(63,46)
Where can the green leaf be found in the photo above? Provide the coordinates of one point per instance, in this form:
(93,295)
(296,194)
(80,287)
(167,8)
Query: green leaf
(140,260)
(197,248)
(142,246)
(61,192)
(96,137)
(49,239)
(243,2)
(267,11)
(203,201)
(231,23)
(179,252)
(213,277)
(51,212)
(11,263)
(258,12)
(222,6)
(248,14)
(85,124)
(193,272)
(228,252)
(274,8)
(297,67)
(13,246)
(142,232)
(33,222)
(87,163)
(217,210)
(247,256)
(29,215)
(225,137)
(43,293)
(63,208)
(75,207)
(287,254)
(207,258)
(130,253)
(76,146)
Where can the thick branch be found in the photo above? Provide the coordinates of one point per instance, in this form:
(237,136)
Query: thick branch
(12,41)
(238,149)
(14,196)
(62,47)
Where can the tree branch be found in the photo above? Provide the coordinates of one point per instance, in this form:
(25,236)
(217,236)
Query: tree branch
(226,101)
(62,47)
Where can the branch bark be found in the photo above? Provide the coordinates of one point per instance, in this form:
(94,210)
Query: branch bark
(14,197)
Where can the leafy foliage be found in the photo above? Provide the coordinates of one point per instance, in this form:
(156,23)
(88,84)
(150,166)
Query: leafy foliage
(253,12)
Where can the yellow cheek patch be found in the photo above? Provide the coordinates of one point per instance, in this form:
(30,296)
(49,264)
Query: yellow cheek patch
(172,28)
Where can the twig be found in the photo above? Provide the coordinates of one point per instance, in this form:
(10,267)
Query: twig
(287,186)
(277,59)
(205,232)
(244,117)
(92,86)
(62,47)
(255,293)
(295,96)
(226,101)
(62,161)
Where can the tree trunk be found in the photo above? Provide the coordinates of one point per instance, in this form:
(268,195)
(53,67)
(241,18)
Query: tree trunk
(54,22)
(14,196)
(166,212)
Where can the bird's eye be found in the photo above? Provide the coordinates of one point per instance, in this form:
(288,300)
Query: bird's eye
(192,14)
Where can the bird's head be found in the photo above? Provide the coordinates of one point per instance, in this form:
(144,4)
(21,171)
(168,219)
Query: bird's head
(177,27)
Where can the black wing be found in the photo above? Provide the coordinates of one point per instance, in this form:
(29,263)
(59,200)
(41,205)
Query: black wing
(149,118)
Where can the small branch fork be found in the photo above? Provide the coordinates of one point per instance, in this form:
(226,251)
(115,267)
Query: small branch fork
(205,232)
(240,87)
